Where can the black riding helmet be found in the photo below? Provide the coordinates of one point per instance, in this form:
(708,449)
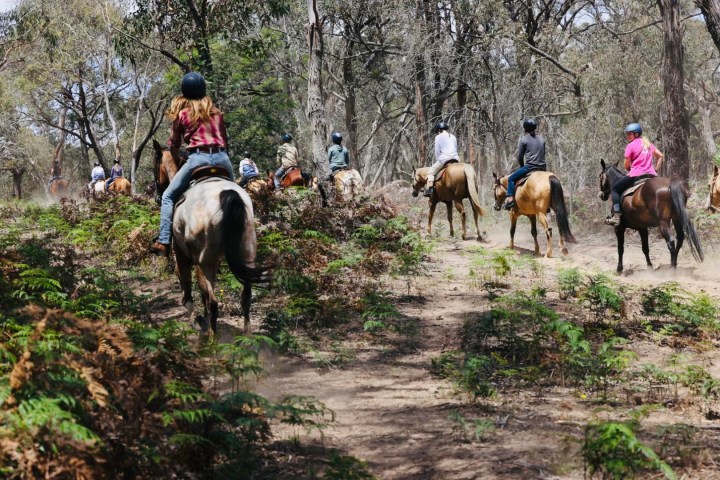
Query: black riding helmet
(336,137)
(529,125)
(193,86)
(246,154)
(440,126)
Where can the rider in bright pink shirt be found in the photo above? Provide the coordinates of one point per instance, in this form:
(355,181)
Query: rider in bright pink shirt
(640,154)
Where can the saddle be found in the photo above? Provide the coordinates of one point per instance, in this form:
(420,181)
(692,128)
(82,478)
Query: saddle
(441,172)
(195,182)
(522,180)
(639,181)
(209,171)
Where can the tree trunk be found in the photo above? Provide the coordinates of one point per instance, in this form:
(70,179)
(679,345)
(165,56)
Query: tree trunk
(675,136)
(315,106)
(420,95)
(17,175)
(351,121)
(60,148)
(711,11)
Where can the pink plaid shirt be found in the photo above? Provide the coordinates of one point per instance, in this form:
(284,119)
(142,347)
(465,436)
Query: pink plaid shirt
(210,134)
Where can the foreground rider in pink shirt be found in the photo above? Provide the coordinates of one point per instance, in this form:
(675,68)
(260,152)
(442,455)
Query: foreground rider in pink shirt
(639,155)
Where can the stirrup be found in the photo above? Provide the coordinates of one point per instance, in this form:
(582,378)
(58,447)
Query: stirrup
(429,192)
(510,205)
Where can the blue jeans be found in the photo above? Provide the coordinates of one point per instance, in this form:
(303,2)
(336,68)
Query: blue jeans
(181,182)
(514,177)
(278,175)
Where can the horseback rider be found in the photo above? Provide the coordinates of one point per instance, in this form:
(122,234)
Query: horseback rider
(338,155)
(248,169)
(445,151)
(287,155)
(115,172)
(97,174)
(55,171)
(197,121)
(530,156)
(639,155)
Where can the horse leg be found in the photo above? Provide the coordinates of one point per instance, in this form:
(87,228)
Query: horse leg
(206,280)
(533,231)
(548,234)
(645,246)
(461,210)
(620,234)
(449,215)
(430,216)
(202,284)
(245,304)
(183,264)
(513,224)
(670,240)
(477,227)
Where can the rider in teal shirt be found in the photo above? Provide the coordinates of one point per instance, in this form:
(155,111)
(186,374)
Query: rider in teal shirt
(338,156)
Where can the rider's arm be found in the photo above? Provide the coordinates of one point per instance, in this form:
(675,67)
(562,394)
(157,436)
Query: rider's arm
(660,157)
(628,163)
(176,137)
(223,133)
(522,146)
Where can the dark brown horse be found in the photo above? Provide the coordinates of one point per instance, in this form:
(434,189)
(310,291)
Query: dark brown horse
(293,178)
(59,188)
(657,203)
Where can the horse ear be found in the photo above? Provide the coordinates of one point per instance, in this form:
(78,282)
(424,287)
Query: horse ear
(156,145)
(715,171)
(617,163)
(495,175)
(602,163)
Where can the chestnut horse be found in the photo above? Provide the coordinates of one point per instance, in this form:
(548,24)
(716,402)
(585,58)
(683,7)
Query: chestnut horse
(293,178)
(541,192)
(457,182)
(59,188)
(213,220)
(713,203)
(656,203)
(121,185)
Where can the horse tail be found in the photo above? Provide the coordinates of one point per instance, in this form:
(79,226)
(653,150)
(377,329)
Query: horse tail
(557,203)
(679,197)
(232,229)
(472,187)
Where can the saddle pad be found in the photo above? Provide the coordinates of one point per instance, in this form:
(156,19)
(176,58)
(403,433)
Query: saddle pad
(441,172)
(631,190)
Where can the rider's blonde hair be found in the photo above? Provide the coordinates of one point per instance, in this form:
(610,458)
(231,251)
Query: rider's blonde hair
(200,110)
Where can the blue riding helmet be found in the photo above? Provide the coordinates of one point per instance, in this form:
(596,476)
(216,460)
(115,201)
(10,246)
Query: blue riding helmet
(634,127)
(193,86)
(287,138)
(336,137)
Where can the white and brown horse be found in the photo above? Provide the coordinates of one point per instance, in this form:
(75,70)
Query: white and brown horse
(215,219)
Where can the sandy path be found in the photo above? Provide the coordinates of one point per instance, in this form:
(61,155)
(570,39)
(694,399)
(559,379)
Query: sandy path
(393,413)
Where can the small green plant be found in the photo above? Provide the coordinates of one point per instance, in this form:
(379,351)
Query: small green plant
(612,450)
(345,467)
(569,282)
(471,430)
(602,295)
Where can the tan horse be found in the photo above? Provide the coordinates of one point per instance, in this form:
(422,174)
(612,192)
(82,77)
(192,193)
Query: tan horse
(59,188)
(121,185)
(457,183)
(215,220)
(348,184)
(542,192)
(713,203)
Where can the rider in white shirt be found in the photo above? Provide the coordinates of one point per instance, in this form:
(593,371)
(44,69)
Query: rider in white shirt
(248,169)
(97,174)
(445,151)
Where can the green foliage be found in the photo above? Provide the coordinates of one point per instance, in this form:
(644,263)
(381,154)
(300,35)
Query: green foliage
(471,429)
(680,312)
(613,450)
(569,281)
(344,467)
(602,295)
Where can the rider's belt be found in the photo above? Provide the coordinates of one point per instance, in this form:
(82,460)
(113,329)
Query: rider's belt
(206,150)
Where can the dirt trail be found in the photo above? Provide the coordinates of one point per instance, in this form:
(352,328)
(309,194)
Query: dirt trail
(394,414)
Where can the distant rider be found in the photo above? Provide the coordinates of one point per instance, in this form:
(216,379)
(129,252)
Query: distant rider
(197,121)
(115,172)
(338,155)
(97,175)
(287,156)
(639,155)
(55,171)
(530,156)
(446,150)
(248,169)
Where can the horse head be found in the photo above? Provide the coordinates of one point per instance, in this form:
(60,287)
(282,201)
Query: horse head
(499,192)
(419,180)
(165,166)
(608,175)
(713,202)
(270,180)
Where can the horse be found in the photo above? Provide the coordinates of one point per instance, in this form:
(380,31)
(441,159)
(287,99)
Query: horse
(541,192)
(121,185)
(457,182)
(348,184)
(293,178)
(59,187)
(214,219)
(713,203)
(656,203)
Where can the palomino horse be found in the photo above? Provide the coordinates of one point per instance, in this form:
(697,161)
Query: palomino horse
(457,182)
(656,203)
(59,188)
(541,192)
(348,184)
(121,185)
(214,219)
(713,203)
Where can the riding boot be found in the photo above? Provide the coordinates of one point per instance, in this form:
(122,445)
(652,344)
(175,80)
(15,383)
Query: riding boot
(160,249)
(614,218)
(429,192)
(510,204)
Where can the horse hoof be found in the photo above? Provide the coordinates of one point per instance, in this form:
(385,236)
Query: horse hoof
(565,251)
(203,323)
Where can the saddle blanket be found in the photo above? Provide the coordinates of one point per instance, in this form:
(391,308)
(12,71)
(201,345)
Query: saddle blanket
(638,183)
